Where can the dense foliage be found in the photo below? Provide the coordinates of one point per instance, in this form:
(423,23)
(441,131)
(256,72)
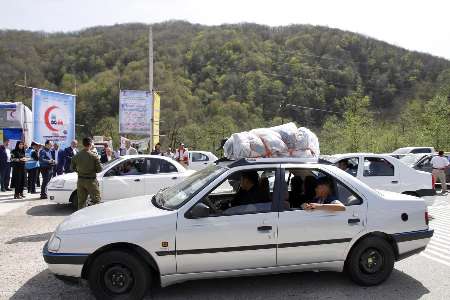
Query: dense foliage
(217,80)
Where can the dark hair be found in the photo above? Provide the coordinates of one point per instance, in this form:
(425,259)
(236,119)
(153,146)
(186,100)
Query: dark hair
(17,145)
(344,161)
(441,153)
(252,176)
(47,142)
(324,181)
(87,142)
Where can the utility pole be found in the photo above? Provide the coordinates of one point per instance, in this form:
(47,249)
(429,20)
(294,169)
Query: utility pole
(150,81)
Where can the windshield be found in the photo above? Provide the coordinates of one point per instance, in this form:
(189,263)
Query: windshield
(109,163)
(410,160)
(175,196)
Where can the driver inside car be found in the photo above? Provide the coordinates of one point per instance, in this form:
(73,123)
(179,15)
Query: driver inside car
(248,189)
(324,200)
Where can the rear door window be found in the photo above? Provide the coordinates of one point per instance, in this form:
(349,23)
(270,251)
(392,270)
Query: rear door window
(377,166)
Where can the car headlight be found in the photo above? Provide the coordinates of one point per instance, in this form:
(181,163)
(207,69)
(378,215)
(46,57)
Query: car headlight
(54,243)
(57,183)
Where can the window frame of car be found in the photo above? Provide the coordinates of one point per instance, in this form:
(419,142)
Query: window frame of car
(160,159)
(336,180)
(199,197)
(202,155)
(366,158)
(108,174)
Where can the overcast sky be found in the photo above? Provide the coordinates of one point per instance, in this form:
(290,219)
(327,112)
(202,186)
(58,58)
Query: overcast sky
(412,24)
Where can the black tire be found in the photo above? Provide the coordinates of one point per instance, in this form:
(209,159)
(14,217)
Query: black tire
(119,275)
(371,261)
(74,200)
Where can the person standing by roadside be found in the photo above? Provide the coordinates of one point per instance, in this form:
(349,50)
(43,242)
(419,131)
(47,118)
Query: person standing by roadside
(57,156)
(3,159)
(440,164)
(157,150)
(87,165)
(46,164)
(107,154)
(32,166)
(182,155)
(5,163)
(18,160)
(128,149)
(70,152)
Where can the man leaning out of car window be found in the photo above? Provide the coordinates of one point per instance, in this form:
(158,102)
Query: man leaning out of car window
(324,200)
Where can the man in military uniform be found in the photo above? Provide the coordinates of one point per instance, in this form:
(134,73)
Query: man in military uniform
(87,165)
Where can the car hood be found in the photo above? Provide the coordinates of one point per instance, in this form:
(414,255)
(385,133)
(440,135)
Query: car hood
(123,214)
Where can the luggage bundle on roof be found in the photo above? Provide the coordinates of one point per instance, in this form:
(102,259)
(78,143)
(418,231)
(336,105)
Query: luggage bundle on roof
(280,141)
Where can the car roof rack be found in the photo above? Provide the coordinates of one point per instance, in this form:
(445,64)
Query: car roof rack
(269,160)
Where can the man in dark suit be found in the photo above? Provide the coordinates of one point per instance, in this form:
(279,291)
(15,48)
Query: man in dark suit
(5,166)
(58,157)
(69,152)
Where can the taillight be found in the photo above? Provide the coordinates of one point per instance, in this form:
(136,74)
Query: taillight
(433,182)
(427,218)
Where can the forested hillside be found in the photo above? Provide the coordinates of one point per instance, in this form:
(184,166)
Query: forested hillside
(217,80)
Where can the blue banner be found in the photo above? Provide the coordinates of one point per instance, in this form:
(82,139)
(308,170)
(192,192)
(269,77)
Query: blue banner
(53,117)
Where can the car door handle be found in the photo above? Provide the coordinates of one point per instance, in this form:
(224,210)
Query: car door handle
(394,181)
(264,228)
(174,178)
(354,221)
(137,180)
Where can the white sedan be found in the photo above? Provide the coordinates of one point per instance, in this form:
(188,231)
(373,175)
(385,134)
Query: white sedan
(206,227)
(382,171)
(127,176)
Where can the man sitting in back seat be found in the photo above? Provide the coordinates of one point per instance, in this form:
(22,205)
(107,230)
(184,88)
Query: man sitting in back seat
(324,200)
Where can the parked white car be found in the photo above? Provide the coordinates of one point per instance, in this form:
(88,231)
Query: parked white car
(382,171)
(127,176)
(400,152)
(200,159)
(206,227)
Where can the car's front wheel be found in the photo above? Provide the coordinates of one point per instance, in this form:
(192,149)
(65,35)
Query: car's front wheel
(371,261)
(119,275)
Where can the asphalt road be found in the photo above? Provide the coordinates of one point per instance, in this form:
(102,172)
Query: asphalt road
(26,224)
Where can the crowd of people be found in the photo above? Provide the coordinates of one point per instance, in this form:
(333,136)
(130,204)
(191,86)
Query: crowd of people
(30,163)
(24,166)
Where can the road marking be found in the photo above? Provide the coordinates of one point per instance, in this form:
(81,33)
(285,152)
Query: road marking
(438,248)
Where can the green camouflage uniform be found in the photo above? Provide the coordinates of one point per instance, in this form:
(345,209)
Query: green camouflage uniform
(87,165)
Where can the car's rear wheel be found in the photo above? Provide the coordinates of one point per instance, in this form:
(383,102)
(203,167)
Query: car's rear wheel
(371,261)
(119,275)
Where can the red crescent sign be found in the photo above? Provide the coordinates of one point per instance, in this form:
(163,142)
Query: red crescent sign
(46,118)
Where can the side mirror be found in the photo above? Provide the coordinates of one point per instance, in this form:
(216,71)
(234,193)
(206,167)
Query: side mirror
(200,210)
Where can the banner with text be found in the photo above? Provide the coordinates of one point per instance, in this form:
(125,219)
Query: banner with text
(135,112)
(53,117)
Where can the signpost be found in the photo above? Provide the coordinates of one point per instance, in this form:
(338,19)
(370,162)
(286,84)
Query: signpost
(135,112)
(53,117)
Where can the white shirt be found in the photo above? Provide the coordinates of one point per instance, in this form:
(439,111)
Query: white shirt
(56,155)
(439,162)
(8,154)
